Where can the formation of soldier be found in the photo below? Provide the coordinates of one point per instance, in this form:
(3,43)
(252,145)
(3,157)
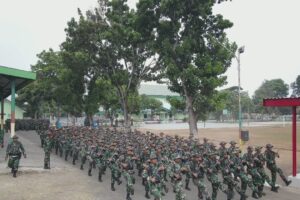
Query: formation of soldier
(159,159)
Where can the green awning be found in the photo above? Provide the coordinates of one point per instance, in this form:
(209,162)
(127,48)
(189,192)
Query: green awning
(21,77)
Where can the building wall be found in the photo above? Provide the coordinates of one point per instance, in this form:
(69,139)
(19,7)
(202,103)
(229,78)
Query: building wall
(7,110)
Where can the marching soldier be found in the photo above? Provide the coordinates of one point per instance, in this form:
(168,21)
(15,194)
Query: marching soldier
(271,165)
(14,151)
(47,149)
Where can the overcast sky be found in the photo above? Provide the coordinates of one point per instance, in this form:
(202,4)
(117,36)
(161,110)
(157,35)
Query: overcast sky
(269,29)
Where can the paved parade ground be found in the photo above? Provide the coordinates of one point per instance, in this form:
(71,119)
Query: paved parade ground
(67,182)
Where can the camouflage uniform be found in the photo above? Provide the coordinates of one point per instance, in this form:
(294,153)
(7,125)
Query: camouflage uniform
(14,151)
(47,149)
(271,165)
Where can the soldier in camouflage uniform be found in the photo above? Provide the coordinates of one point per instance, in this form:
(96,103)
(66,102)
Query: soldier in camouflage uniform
(14,151)
(47,149)
(213,167)
(260,167)
(198,173)
(271,165)
(115,171)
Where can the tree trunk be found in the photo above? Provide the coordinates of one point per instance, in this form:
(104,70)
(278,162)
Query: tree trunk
(124,102)
(192,115)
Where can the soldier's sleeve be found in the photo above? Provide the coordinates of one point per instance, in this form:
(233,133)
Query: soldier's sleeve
(22,148)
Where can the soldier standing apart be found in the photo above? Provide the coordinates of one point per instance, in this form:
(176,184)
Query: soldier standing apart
(47,145)
(14,151)
(271,165)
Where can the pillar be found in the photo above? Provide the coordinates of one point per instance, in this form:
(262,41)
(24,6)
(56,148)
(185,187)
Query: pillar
(12,115)
(294,138)
(2,113)
(2,121)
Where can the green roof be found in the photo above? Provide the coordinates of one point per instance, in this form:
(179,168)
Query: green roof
(21,77)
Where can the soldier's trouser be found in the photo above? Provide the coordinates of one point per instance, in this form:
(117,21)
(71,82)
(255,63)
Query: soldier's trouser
(187,181)
(274,170)
(115,176)
(266,178)
(60,151)
(202,190)
(67,154)
(156,192)
(101,172)
(47,160)
(246,182)
(179,194)
(75,157)
(56,149)
(13,163)
(83,160)
(42,140)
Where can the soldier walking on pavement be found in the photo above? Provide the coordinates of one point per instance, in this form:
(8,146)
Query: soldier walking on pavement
(47,145)
(271,165)
(14,151)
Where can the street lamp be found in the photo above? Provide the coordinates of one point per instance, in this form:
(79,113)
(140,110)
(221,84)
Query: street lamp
(240,51)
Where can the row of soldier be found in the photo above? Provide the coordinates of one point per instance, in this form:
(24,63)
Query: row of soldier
(158,159)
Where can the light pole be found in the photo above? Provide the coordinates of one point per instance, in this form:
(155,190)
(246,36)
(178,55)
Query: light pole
(240,51)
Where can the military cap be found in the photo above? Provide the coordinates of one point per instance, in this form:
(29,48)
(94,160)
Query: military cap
(223,143)
(258,148)
(232,142)
(15,137)
(250,148)
(269,146)
(178,157)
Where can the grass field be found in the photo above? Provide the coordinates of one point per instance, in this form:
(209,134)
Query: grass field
(279,136)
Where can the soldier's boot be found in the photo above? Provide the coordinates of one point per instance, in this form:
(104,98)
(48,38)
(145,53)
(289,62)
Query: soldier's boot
(200,196)
(90,172)
(128,196)
(66,157)
(274,188)
(45,165)
(243,196)
(112,187)
(187,186)
(147,195)
(119,182)
(81,166)
(287,182)
(100,177)
(132,191)
(14,173)
(255,195)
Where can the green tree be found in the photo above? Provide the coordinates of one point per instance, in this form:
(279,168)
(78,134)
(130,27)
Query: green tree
(150,103)
(177,104)
(296,87)
(193,49)
(274,88)
(49,91)
(115,46)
